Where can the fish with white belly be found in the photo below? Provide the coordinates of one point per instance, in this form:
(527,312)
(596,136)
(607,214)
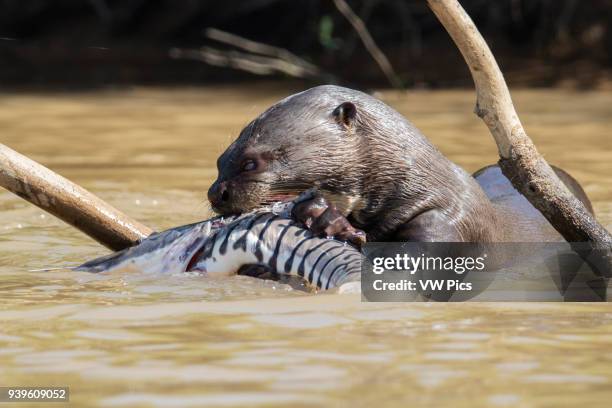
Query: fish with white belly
(268,238)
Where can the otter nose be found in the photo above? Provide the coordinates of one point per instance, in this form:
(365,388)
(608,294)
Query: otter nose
(219,196)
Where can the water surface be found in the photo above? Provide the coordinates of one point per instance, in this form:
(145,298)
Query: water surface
(127,340)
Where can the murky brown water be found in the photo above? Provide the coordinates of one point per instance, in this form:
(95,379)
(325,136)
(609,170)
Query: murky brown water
(125,340)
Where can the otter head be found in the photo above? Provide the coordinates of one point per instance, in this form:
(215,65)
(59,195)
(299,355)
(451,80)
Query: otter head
(306,140)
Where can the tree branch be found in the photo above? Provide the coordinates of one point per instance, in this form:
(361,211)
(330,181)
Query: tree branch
(67,201)
(262,49)
(259,58)
(519,159)
(368,42)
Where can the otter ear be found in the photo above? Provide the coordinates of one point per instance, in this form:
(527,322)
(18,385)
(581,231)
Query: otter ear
(345,113)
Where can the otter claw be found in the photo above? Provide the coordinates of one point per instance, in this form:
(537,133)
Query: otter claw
(323,218)
(356,237)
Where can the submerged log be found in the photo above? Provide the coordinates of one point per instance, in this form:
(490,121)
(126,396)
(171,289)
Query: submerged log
(68,201)
(519,160)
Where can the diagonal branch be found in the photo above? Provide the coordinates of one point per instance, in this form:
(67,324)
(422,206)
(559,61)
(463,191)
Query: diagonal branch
(519,159)
(368,42)
(262,49)
(256,58)
(68,201)
(255,64)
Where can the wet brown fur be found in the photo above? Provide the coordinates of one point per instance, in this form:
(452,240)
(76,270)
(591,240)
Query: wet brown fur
(378,169)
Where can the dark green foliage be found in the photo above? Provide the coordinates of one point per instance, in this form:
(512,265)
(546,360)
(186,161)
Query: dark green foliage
(94,42)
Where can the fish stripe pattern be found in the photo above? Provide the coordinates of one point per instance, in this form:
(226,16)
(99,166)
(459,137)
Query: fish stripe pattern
(221,246)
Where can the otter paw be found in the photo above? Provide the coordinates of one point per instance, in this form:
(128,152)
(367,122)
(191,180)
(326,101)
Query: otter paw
(323,218)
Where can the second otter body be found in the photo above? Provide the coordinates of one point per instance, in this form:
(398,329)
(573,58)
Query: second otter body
(377,169)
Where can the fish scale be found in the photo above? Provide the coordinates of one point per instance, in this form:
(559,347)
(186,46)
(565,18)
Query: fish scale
(270,242)
(221,246)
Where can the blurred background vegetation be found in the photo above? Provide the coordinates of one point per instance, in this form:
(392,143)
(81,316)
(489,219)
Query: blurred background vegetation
(92,43)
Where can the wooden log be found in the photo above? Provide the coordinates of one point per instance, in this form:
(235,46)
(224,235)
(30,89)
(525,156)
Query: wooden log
(519,160)
(67,201)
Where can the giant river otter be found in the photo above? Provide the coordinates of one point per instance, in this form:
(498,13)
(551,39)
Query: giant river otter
(376,169)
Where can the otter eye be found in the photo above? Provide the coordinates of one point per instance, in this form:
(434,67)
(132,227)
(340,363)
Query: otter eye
(249,165)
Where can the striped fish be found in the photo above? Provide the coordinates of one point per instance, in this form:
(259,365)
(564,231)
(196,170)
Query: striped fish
(221,246)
